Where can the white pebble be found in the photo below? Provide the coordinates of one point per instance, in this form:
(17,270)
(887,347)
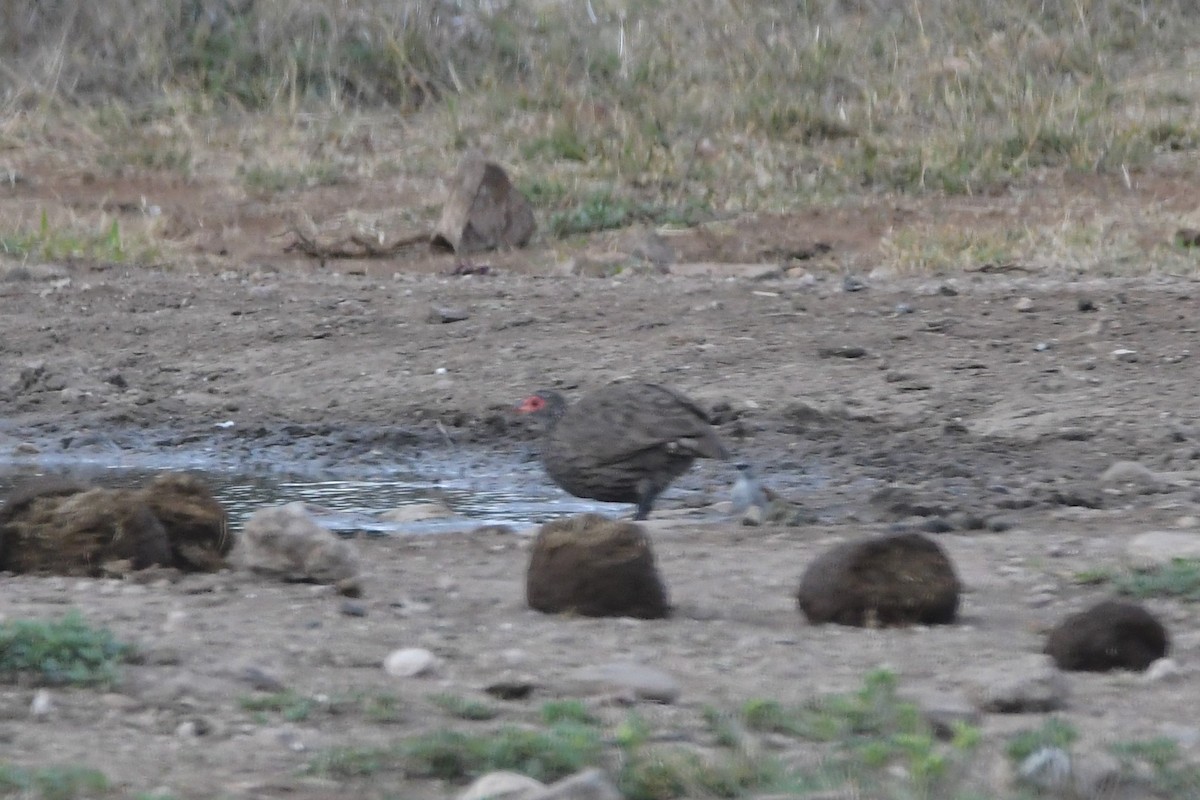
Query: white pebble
(409,662)
(42,704)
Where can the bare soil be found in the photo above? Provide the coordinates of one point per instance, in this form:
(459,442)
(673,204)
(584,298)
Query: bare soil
(981,407)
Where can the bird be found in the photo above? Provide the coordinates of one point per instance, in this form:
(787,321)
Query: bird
(748,492)
(622,443)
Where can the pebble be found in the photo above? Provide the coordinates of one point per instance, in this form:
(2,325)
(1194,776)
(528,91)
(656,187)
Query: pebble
(1125,355)
(1160,548)
(42,705)
(443,315)
(1162,670)
(1047,768)
(352,608)
(1028,684)
(409,662)
(842,351)
(646,683)
(853,283)
(1024,304)
(591,784)
(1130,472)
(502,786)
(261,680)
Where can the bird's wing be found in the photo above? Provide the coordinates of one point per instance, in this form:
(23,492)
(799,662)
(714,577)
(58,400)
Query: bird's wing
(619,421)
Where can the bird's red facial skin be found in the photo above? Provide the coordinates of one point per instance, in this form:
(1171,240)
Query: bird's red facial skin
(531,404)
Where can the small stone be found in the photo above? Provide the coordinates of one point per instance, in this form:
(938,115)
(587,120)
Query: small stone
(1162,670)
(442,315)
(1130,472)
(502,786)
(1028,684)
(42,705)
(936,525)
(1086,304)
(1024,304)
(261,680)
(901,309)
(26,449)
(352,608)
(646,683)
(418,512)
(999,524)
(1159,548)
(510,689)
(1047,768)
(591,784)
(852,283)
(409,662)
(1125,355)
(753,516)
(286,542)
(842,351)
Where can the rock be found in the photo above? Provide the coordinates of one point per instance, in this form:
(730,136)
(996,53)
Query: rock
(842,351)
(595,567)
(852,283)
(1131,472)
(42,704)
(1027,684)
(484,210)
(752,517)
(261,680)
(591,784)
(1162,670)
(409,662)
(286,542)
(1024,304)
(645,683)
(898,579)
(1159,548)
(442,315)
(510,688)
(416,512)
(1125,355)
(1047,768)
(502,786)
(1109,635)
(352,608)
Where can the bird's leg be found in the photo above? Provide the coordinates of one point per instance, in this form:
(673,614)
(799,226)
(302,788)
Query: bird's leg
(647,494)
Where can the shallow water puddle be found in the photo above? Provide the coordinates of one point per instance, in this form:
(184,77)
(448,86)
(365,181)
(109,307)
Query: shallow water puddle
(346,504)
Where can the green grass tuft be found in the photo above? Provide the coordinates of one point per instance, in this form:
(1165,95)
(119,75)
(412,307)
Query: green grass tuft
(1179,579)
(65,652)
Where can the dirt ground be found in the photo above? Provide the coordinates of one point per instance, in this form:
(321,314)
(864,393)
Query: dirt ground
(994,398)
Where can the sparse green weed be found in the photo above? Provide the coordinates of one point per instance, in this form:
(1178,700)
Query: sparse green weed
(1179,579)
(52,783)
(464,708)
(67,651)
(1055,732)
